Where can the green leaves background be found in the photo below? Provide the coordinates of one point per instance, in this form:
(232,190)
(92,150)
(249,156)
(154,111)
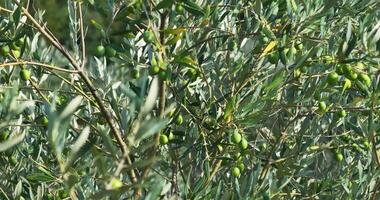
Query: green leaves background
(258,68)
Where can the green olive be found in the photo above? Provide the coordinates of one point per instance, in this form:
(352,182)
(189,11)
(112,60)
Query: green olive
(299,46)
(346,68)
(163,75)
(149,36)
(4,51)
(25,74)
(364,78)
(366,144)
(179,119)
(13,160)
(45,121)
(16,53)
(244,143)
(322,106)
(236,137)
(135,74)
(179,8)
(100,50)
(235,171)
(347,83)
(110,52)
(14,46)
(241,166)
(352,76)
(342,113)
(220,147)
(171,136)
(153,70)
(20,41)
(339,156)
(164,139)
(332,78)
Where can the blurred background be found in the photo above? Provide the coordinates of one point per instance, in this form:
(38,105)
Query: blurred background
(56,17)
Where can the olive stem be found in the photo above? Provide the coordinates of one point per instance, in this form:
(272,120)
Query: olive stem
(47,66)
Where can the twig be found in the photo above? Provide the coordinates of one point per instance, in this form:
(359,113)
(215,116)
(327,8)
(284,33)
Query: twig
(82,36)
(50,67)
(161,110)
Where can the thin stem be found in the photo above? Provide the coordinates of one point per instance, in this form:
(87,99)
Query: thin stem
(161,106)
(82,35)
(47,66)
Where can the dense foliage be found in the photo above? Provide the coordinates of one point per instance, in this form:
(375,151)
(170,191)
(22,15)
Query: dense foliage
(205,99)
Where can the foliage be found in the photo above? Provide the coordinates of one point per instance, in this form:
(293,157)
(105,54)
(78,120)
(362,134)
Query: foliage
(191,99)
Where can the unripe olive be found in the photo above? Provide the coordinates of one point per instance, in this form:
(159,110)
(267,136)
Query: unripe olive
(163,75)
(244,143)
(346,68)
(220,147)
(149,36)
(322,106)
(135,74)
(339,157)
(364,78)
(241,166)
(299,46)
(349,72)
(164,139)
(20,41)
(342,113)
(116,183)
(13,160)
(366,144)
(110,52)
(25,74)
(16,53)
(347,83)
(236,137)
(332,78)
(14,46)
(235,171)
(352,76)
(44,121)
(4,51)
(179,8)
(179,119)
(264,39)
(100,50)
(154,69)
(171,136)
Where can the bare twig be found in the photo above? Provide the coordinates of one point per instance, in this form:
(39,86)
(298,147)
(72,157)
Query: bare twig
(81,26)
(47,66)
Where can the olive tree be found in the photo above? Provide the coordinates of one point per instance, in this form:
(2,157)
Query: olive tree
(206,99)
